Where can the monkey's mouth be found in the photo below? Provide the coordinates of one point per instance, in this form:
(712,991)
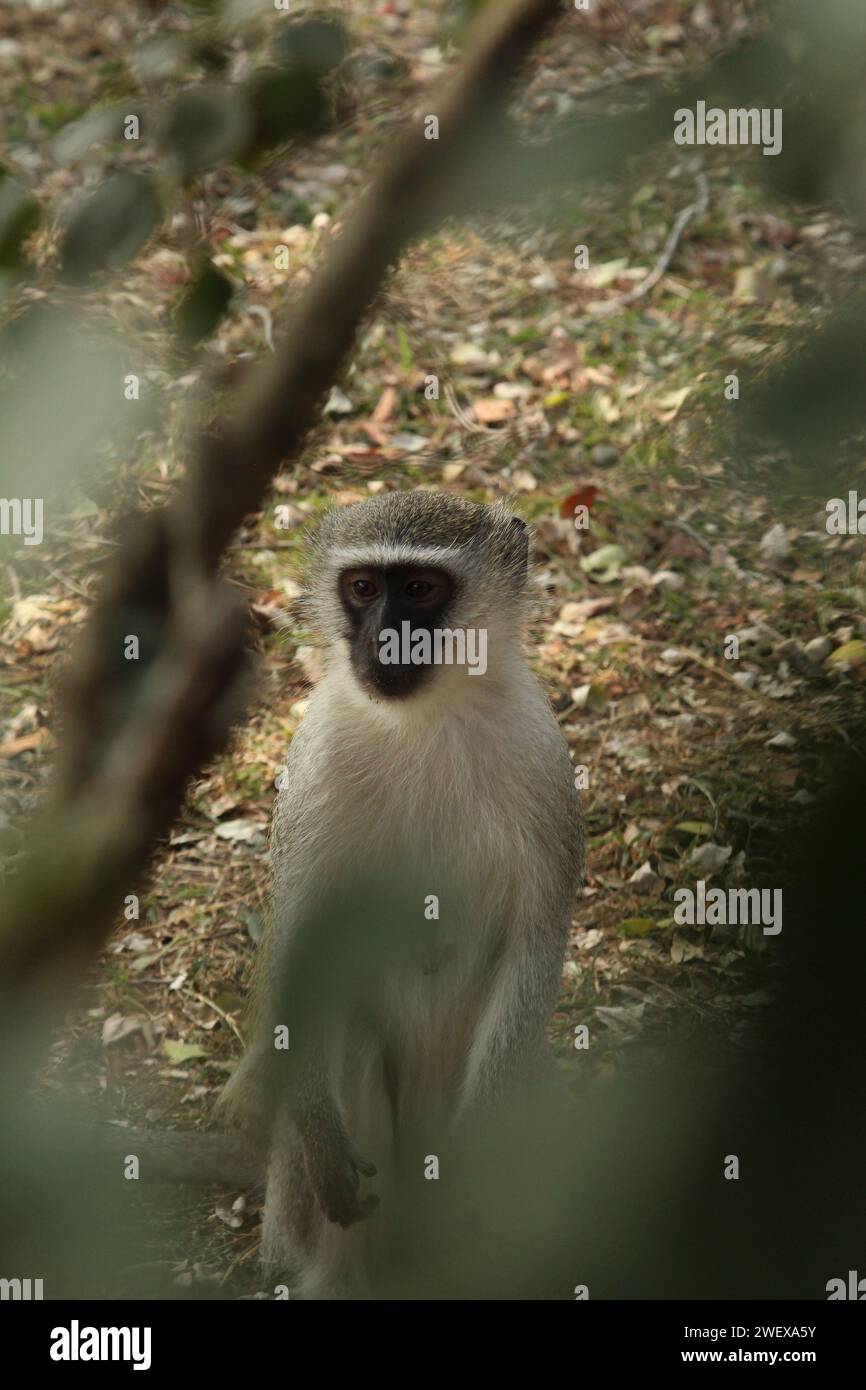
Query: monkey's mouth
(393,682)
(389,680)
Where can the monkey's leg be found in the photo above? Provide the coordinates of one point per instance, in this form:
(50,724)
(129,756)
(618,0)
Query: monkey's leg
(293,1222)
(314,1221)
(316,1257)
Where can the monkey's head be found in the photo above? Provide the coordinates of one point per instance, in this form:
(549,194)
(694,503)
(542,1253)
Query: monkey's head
(418,588)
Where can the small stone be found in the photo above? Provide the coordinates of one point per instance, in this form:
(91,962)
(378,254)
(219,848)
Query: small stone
(338,403)
(775,546)
(644,879)
(709,858)
(667,579)
(603,455)
(818,649)
(781,740)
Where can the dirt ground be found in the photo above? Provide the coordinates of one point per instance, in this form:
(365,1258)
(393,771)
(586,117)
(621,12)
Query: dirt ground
(560,387)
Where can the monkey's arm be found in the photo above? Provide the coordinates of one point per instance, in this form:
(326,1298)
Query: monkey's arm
(304,1103)
(510,1030)
(293,1099)
(334,1165)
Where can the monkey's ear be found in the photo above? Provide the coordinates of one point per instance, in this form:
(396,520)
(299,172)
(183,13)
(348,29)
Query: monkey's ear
(523,532)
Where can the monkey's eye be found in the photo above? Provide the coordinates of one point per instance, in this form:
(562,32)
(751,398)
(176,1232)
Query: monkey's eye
(419,589)
(361,586)
(426,587)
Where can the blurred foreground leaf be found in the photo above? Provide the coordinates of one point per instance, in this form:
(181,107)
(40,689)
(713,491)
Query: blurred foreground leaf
(203,305)
(111,226)
(19,216)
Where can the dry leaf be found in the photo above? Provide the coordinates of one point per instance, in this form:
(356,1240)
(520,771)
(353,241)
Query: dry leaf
(490,411)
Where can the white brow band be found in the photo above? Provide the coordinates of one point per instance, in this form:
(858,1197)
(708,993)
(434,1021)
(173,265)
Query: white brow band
(392,553)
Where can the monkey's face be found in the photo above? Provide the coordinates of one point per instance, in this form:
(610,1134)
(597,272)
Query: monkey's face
(393,616)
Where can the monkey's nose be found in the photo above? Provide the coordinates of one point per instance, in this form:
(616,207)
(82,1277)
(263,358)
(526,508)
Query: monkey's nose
(394,680)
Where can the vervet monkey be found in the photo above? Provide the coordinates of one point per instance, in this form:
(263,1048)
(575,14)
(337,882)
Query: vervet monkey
(451,789)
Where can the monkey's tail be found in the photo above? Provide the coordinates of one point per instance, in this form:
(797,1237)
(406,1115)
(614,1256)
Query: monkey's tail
(189,1156)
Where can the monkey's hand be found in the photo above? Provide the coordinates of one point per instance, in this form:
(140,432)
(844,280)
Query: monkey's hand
(335,1169)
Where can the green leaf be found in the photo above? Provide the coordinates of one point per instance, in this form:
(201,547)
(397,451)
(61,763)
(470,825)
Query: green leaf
(110,226)
(76,139)
(694,827)
(404,348)
(202,307)
(141,963)
(316,44)
(285,104)
(45,450)
(605,563)
(638,926)
(849,654)
(254,924)
(19,215)
(592,697)
(208,125)
(814,400)
(182,1052)
(229,1001)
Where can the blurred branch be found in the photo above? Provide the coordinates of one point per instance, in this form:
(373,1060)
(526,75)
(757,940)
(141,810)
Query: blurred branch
(138,729)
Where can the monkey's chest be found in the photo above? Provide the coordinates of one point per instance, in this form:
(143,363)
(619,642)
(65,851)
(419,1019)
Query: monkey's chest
(451,831)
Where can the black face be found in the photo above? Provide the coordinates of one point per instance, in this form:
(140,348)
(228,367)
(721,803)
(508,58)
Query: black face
(377,600)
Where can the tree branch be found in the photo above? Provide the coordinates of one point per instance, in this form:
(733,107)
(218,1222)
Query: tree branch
(138,729)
